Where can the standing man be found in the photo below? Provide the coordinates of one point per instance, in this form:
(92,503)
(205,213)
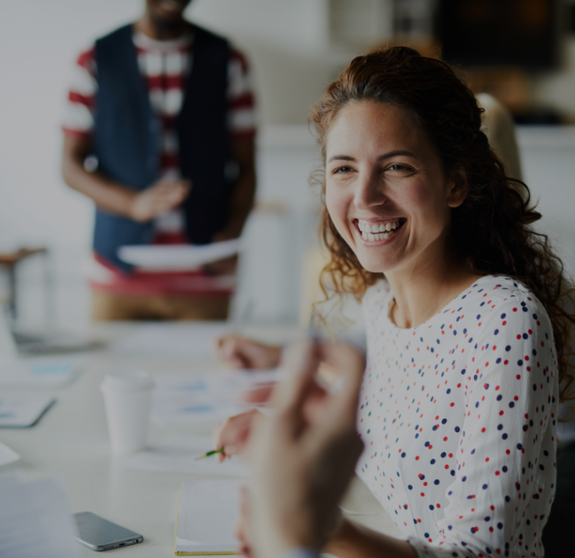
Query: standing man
(159,132)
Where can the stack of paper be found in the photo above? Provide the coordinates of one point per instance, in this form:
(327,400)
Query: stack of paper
(35,519)
(206,517)
(177,257)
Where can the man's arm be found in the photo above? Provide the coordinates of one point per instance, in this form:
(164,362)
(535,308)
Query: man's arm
(141,206)
(107,194)
(242,198)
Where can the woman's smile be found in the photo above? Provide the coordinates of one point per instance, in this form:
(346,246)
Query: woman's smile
(374,232)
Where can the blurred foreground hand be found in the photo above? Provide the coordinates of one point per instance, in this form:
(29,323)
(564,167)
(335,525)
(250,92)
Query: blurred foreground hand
(304,457)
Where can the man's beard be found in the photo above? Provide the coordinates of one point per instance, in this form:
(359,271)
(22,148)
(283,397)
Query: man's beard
(164,26)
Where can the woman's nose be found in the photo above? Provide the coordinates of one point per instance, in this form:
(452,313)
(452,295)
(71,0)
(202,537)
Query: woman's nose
(370,191)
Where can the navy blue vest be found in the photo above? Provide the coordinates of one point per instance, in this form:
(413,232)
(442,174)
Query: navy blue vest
(127,138)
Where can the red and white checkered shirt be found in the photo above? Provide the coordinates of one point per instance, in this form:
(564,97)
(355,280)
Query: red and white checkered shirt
(165,65)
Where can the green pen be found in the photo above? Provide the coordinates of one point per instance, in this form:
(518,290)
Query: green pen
(210,453)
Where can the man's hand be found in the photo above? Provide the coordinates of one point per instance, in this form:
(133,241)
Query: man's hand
(159,198)
(304,457)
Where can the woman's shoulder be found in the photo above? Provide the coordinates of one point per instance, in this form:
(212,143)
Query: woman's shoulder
(494,290)
(501,298)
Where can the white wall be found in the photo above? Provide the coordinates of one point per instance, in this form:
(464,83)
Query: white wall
(557,89)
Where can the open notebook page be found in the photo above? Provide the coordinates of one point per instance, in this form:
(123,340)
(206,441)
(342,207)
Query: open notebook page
(206,517)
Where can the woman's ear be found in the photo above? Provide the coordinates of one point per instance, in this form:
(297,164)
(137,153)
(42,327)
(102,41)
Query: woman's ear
(458,188)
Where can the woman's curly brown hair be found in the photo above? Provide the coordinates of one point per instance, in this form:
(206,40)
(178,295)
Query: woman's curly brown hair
(491,231)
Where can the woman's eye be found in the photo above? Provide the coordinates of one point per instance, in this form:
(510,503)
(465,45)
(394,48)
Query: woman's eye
(399,168)
(342,170)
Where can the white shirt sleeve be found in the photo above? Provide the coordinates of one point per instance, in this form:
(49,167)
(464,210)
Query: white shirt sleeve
(506,455)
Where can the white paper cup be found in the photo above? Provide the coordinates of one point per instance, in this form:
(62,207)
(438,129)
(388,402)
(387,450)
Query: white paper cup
(128,402)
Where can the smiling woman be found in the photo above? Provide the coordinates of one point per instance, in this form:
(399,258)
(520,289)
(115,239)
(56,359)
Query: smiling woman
(467,333)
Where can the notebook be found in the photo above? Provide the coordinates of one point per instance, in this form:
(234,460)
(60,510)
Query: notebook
(206,518)
(18,411)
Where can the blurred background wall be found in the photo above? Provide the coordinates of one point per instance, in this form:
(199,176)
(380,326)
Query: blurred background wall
(295,49)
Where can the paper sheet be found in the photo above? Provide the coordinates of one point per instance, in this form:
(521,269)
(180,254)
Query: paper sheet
(177,454)
(206,517)
(184,257)
(35,519)
(7,455)
(168,339)
(22,411)
(182,398)
(37,373)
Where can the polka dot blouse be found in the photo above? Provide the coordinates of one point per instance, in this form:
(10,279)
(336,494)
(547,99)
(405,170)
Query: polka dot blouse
(458,420)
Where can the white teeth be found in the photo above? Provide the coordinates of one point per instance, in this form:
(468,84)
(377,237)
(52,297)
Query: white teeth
(377,228)
(373,232)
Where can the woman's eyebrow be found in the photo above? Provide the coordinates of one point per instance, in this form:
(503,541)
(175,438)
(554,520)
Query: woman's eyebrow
(380,158)
(340,158)
(395,154)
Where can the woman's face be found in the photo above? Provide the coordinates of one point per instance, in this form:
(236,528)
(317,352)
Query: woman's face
(386,191)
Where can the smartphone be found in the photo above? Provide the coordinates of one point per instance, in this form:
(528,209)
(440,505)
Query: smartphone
(99,534)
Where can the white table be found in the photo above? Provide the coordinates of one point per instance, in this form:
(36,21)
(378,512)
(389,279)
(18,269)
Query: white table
(71,441)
